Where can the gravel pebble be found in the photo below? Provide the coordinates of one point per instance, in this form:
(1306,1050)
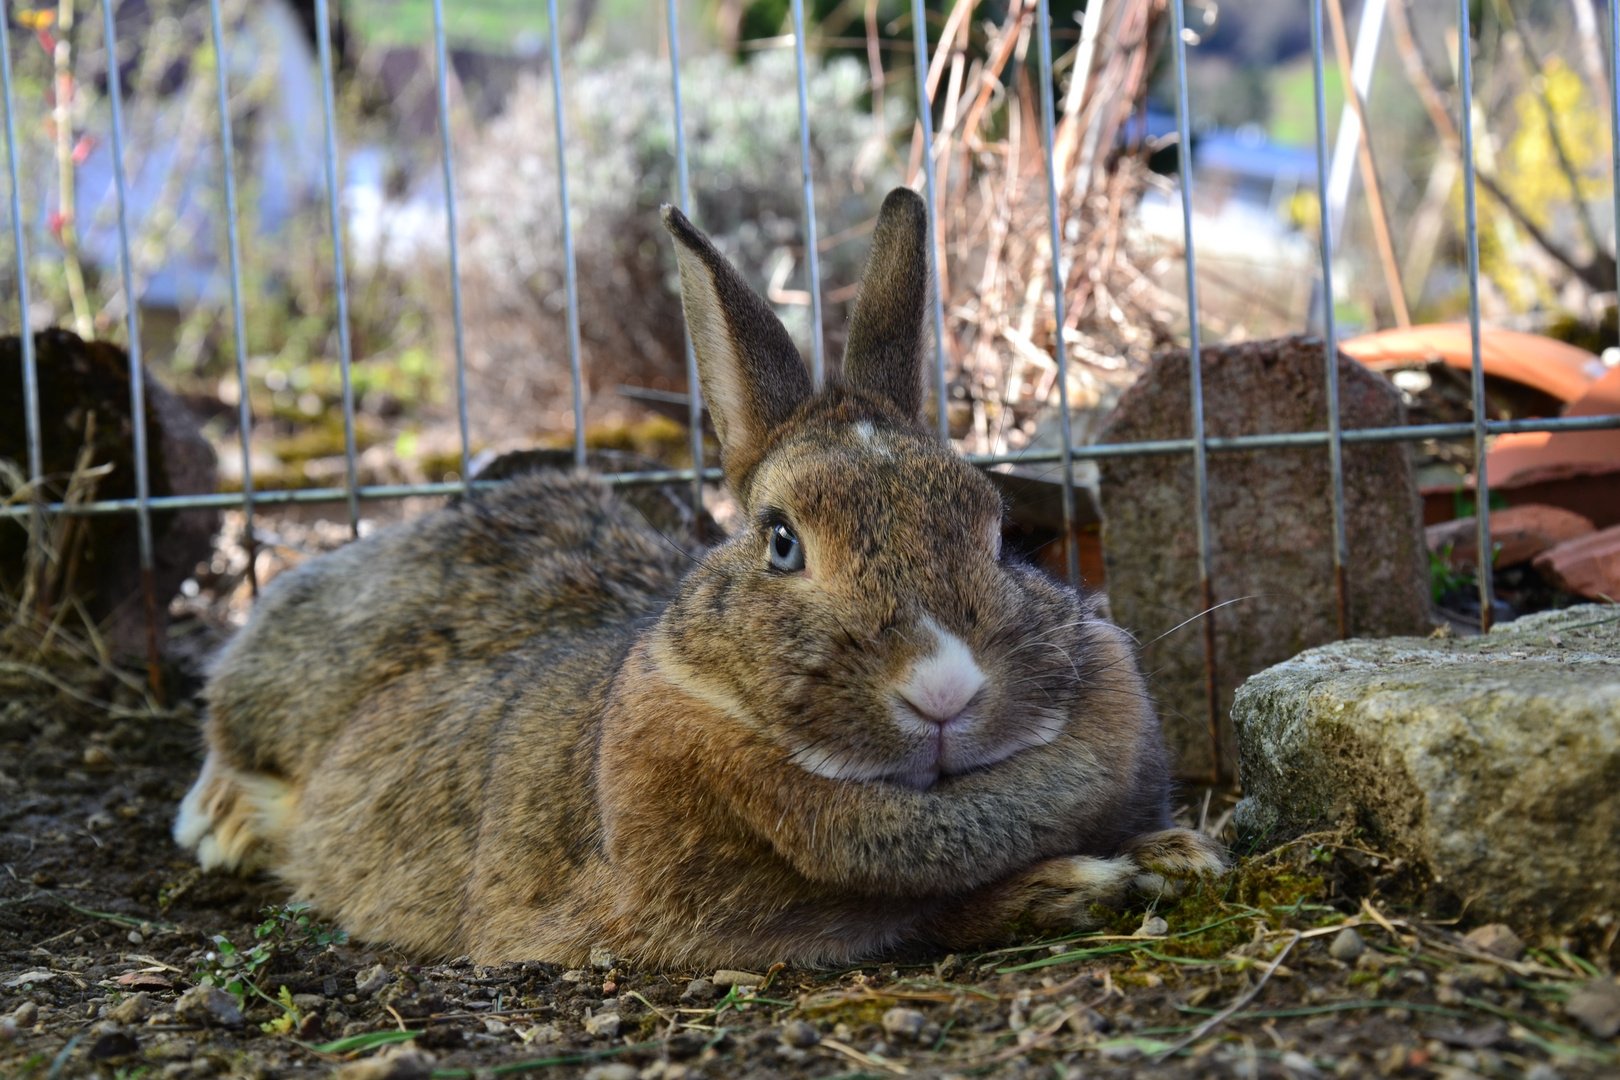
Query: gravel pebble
(208,1005)
(602,958)
(604,1025)
(727,977)
(371,980)
(613,1070)
(1496,939)
(1597,1006)
(1347,945)
(904,1023)
(699,992)
(800,1034)
(26,1014)
(1153,926)
(132,1010)
(395,1063)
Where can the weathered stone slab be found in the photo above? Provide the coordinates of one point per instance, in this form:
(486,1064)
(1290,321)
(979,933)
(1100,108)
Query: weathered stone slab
(1492,761)
(1271,525)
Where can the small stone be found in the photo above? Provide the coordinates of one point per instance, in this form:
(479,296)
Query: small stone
(26,1014)
(727,977)
(495,1027)
(1542,1071)
(799,1034)
(698,992)
(1497,939)
(1089,1022)
(96,759)
(1597,1006)
(1153,926)
(612,1070)
(114,1045)
(134,937)
(208,1005)
(309,1002)
(904,1024)
(395,1063)
(603,1025)
(1347,945)
(8,1028)
(602,958)
(1298,1064)
(1120,1051)
(371,980)
(686,1044)
(132,1010)
(540,1034)
(44,879)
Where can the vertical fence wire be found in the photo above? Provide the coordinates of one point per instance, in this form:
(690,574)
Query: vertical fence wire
(442,76)
(1043,38)
(570,274)
(323,36)
(812,256)
(1614,120)
(30,373)
(1482,494)
(1195,382)
(132,319)
(1341,546)
(936,251)
(233,243)
(683,191)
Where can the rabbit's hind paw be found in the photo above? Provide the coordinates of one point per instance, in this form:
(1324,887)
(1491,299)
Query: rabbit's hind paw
(229,817)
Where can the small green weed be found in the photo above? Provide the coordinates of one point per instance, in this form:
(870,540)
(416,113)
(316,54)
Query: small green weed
(1442,578)
(287,930)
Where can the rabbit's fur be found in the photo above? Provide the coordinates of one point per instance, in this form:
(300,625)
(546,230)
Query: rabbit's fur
(525,725)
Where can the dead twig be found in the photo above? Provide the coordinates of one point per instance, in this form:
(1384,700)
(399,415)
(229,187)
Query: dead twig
(1243,999)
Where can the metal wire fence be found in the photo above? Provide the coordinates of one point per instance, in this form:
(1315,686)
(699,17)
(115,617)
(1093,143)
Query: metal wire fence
(1198,445)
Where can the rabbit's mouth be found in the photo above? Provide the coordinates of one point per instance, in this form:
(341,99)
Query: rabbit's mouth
(933,751)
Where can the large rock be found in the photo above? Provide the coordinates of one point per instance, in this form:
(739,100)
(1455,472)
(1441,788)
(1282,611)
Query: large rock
(1492,761)
(1271,526)
(76,379)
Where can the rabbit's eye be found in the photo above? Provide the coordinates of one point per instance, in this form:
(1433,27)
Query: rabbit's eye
(787,554)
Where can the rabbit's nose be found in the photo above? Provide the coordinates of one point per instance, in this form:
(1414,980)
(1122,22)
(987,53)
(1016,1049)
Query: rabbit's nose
(943,683)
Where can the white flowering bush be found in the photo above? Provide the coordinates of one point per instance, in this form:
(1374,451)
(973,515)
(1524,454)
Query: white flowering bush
(742,131)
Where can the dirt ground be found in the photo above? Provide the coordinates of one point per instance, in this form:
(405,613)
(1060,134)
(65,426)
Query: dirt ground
(105,925)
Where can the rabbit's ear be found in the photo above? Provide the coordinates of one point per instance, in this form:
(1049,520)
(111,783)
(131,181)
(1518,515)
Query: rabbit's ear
(750,371)
(885,350)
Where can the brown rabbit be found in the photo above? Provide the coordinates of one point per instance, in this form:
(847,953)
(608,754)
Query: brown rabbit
(524,725)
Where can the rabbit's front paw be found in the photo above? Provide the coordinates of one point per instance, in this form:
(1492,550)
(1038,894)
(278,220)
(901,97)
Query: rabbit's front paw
(1165,860)
(1059,894)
